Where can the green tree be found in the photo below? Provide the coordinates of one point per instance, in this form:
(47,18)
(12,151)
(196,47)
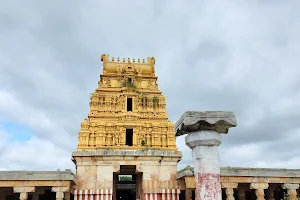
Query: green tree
(125,178)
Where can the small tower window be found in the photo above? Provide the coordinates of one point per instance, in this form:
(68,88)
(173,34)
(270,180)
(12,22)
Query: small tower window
(129,104)
(129,137)
(129,80)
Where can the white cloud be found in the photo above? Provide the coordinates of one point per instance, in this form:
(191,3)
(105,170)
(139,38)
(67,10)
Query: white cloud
(35,154)
(238,56)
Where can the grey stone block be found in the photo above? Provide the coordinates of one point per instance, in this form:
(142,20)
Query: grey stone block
(191,121)
(37,175)
(247,172)
(128,153)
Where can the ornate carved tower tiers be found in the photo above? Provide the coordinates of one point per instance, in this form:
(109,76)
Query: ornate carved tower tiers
(127,132)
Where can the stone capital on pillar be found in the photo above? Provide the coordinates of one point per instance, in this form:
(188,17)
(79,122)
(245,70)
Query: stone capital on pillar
(291,190)
(20,189)
(218,121)
(229,190)
(288,186)
(257,186)
(259,189)
(203,129)
(229,185)
(23,191)
(60,192)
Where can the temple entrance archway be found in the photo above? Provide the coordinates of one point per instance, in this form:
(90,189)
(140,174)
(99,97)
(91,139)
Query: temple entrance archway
(127,183)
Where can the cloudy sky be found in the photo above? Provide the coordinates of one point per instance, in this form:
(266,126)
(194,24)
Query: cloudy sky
(240,56)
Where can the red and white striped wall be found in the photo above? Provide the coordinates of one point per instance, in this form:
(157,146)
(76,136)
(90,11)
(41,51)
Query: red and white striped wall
(166,194)
(100,194)
(106,194)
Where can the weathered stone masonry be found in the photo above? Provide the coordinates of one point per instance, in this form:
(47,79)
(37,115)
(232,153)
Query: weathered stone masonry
(255,183)
(36,184)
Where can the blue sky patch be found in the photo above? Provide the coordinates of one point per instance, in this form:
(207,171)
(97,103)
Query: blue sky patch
(17,132)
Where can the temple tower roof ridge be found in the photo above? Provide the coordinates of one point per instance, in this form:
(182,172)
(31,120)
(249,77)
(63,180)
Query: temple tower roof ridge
(139,66)
(150,60)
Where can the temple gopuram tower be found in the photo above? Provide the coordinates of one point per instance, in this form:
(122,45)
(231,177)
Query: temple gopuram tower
(127,146)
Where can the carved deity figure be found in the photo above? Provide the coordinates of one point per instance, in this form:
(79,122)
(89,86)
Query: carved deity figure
(117,138)
(106,82)
(150,84)
(144,131)
(171,140)
(122,132)
(84,139)
(155,140)
(138,138)
(121,138)
(99,140)
(163,140)
(116,102)
(85,124)
(122,102)
(92,140)
(109,139)
(148,139)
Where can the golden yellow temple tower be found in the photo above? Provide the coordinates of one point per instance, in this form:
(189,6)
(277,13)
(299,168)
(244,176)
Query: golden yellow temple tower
(127,146)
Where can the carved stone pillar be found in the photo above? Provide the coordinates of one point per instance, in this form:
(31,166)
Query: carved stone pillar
(229,190)
(60,192)
(271,195)
(242,193)
(203,129)
(67,196)
(270,192)
(23,191)
(188,194)
(291,190)
(37,193)
(259,189)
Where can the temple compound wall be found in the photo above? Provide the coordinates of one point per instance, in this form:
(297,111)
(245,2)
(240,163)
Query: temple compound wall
(236,183)
(247,183)
(34,185)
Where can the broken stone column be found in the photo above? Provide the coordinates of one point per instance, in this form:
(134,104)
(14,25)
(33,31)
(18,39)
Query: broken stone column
(204,136)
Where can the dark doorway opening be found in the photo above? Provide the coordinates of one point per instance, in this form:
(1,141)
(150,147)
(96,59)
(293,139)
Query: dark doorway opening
(129,104)
(126,187)
(129,137)
(48,195)
(126,194)
(127,183)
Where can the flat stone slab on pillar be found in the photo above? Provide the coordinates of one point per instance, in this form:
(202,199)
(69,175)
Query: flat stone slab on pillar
(219,121)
